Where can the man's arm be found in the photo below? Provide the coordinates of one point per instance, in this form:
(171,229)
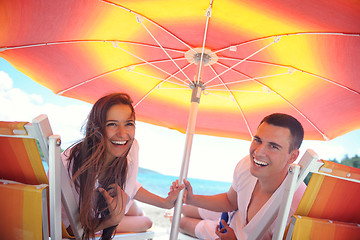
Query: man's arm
(224,202)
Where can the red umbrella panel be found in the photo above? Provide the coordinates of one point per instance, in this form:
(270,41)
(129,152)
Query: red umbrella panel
(296,57)
(222,64)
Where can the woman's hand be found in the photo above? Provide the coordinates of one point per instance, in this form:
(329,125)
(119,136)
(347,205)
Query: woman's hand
(228,235)
(116,200)
(175,189)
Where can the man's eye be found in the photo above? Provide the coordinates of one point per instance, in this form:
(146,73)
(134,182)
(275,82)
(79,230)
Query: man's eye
(257,140)
(130,124)
(275,147)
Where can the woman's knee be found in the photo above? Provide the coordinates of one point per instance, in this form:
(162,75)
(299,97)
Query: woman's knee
(147,223)
(134,210)
(134,224)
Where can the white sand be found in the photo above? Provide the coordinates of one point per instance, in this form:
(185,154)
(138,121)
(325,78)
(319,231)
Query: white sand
(161,224)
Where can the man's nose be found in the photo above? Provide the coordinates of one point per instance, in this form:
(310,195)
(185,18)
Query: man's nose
(260,149)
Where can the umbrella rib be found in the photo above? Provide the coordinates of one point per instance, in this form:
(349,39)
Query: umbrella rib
(248,91)
(114,70)
(250,79)
(149,45)
(147,75)
(279,65)
(158,86)
(243,60)
(171,75)
(253,61)
(151,21)
(167,54)
(90,40)
(330,81)
(87,81)
(245,80)
(150,64)
(290,34)
(296,109)
(208,15)
(237,102)
(240,109)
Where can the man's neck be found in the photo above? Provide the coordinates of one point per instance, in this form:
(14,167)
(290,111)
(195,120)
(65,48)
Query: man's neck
(269,185)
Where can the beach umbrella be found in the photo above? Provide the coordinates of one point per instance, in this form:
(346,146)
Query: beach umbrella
(220,65)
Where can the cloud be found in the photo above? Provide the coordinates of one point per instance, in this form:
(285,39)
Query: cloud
(5,81)
(17,105)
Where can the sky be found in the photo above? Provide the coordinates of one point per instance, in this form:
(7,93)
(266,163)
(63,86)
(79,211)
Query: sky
(161,149)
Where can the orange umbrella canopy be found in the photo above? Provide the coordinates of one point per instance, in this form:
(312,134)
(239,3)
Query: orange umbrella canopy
(251,58)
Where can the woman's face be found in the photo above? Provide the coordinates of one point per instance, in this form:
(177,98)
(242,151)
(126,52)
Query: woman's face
(119,130)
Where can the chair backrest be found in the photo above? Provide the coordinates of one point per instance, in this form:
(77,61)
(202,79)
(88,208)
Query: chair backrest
(332,196)
(280,206)
(21,160)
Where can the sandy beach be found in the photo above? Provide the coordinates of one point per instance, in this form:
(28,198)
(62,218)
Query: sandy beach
(161,224)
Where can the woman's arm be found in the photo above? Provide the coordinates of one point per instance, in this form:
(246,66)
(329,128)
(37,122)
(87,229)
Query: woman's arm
(145,196)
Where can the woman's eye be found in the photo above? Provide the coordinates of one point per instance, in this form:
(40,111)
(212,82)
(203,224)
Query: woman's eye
(111,124)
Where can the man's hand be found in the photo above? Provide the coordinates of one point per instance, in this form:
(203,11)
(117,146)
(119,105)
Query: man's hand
(116,200)
(189,195)
(229,235)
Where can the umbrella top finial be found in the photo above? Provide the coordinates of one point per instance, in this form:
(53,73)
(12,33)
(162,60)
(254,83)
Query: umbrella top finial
(198,54)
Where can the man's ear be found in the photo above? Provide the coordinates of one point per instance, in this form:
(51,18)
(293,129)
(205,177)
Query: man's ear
(293,155)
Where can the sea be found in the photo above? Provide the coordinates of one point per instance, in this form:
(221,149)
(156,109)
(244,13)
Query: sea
(159,184)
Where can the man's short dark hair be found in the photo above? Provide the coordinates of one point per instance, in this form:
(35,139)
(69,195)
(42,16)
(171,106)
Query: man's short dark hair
(289,122)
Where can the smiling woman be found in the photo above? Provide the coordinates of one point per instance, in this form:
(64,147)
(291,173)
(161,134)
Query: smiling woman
(104,167)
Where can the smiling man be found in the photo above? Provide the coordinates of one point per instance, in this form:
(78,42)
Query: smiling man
(256,179)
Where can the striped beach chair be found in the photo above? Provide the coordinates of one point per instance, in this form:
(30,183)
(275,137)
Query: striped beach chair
(22,162)
(23,148)
(330,207)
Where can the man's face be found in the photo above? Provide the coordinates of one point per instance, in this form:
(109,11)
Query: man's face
(269,152)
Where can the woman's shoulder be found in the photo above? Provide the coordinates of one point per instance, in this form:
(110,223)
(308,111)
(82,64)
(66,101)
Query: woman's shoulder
(135,144)
(133,155)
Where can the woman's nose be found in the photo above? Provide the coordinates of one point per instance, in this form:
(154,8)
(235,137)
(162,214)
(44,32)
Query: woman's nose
(121,131)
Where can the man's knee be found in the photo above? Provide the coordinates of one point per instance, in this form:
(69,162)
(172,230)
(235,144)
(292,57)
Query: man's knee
(183,222)
(188,224)
(190,211)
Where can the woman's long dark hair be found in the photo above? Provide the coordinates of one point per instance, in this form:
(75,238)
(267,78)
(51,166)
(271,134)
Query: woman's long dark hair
(87,159)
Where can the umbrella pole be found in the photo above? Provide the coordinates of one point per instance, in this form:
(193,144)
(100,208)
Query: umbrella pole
(195,100)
